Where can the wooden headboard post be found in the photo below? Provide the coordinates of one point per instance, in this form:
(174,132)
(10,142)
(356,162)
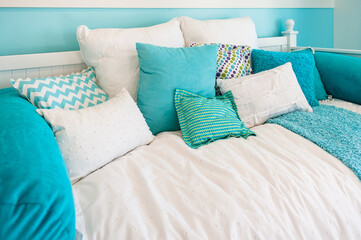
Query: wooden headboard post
(290,34)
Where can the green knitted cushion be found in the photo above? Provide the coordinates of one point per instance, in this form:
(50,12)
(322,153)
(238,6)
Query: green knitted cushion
(206,119)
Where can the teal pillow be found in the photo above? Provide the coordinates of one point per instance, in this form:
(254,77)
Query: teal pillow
(204,120)
(320,91)
(36,200)
(302,64)
(162,70)
(341,75)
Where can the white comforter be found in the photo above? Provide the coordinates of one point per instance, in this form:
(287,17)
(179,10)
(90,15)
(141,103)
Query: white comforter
(277,185)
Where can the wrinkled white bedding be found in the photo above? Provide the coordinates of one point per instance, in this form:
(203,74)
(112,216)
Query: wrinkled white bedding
(277,185)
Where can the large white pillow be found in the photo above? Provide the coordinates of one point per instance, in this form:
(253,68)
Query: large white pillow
(113,54)
(91,137)
(265,95)
(236,31)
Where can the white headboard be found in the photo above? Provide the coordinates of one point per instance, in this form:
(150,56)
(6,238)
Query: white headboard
(62,63)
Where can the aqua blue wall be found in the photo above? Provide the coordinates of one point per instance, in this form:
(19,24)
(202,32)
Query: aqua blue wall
(37,30)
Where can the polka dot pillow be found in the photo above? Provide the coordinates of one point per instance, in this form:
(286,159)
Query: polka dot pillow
(233,61)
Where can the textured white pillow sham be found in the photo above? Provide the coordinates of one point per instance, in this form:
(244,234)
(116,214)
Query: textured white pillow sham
(91,137)
(113,54)
(265,95)
(236,31)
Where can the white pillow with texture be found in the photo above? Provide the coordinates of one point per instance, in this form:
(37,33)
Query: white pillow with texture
(113,54)
(91,137)
(265,95)
(236,31)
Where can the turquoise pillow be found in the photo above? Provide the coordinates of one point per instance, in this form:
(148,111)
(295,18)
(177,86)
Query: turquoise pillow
(341,75)
(162,70)
(36,200)
(204,120)
(320,91)
(302,63)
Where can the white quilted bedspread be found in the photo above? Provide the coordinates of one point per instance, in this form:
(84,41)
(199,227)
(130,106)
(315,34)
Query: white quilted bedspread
(277,185)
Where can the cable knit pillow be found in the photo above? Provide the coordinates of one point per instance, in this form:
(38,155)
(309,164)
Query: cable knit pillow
(232,61)
(265,95)
(74,91)
(206,119)
(91,137)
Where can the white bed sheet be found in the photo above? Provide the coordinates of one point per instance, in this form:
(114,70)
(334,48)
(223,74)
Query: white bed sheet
(277,185)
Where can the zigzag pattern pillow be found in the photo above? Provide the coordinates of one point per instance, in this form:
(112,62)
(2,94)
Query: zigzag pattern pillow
(233,61)
(74,91)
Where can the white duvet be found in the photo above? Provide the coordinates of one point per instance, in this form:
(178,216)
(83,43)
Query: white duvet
(276,185)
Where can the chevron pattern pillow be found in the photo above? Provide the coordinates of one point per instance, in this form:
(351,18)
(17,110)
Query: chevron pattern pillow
(74,91)
(204,120)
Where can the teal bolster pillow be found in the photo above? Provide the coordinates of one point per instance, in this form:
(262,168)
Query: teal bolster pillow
(162,70)
(341,75)
(204,120)
(36,200)
(303,64)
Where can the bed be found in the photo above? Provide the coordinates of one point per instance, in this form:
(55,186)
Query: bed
(275,185)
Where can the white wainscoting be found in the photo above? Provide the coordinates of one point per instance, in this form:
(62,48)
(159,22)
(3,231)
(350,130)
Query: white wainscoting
(62,63)
(169,3)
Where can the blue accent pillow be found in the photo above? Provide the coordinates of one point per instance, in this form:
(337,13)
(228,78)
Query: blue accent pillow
(162,70)
(341,75)
(36,200)
(74,91)
(204,120)
(302,64)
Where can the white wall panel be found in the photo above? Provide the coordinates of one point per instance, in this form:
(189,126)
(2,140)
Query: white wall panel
(5,77)
(20,73)
(32,72)
(347,24)
(63,63)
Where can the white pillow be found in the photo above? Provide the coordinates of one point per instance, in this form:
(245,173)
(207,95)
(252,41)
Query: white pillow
(91,137)
(113,54)
(236,31)
(265,95)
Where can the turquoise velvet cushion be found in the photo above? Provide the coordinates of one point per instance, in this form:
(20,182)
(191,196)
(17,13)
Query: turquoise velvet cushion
(36,200)
(303,65)
(341,75)
(162,70)
(204,120)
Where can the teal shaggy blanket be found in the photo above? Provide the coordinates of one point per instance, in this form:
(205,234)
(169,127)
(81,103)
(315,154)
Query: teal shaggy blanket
(336,130)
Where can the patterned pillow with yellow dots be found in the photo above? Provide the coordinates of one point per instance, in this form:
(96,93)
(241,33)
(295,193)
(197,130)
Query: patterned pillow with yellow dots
(233,61)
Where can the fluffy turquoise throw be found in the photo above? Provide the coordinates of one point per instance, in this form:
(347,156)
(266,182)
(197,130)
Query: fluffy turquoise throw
(336,130)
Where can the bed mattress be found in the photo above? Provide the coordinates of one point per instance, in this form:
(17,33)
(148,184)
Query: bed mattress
(277,185)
